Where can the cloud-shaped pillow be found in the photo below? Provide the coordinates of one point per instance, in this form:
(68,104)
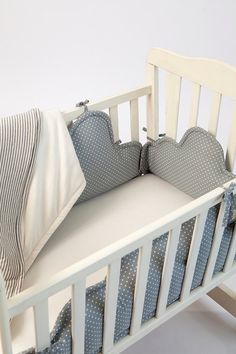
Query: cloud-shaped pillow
(105,164)
(195,165)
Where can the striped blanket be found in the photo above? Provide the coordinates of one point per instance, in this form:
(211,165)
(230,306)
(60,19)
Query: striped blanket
(19,138)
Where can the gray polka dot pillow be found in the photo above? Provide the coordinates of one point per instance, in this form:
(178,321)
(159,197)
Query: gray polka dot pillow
(195,165)
(105,164)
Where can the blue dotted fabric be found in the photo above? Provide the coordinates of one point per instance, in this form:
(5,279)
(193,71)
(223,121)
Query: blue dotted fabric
(105,164)
(195,165)
(95,297)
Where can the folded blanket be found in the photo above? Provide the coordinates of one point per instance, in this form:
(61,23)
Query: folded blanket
(40,180)
(19,138)
(57,182)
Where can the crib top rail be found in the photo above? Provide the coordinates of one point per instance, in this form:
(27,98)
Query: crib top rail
(111,104)
(91,264)
(214,75)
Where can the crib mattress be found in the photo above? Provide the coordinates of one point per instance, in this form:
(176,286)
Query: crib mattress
(89,227)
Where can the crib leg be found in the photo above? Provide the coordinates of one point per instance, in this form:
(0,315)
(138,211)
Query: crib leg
(225,297)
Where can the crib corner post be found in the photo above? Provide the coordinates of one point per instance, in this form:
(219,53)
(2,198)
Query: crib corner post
(152,102)
(5,331)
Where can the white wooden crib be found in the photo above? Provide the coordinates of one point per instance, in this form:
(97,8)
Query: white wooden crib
(220,78)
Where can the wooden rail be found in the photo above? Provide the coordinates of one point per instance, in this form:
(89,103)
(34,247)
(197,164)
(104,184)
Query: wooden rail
(75,276)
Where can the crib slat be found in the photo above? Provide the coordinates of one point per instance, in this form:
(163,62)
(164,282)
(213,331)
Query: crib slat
(153,103)
(194,109)
(5,331)
(172,244)
(173,87)
(111,304)
(193,254)
(215,113)
(134,119)
(231,149)
(113,113)
(41,321)
(140,288)
(231,254)
(78,316)
(219,230)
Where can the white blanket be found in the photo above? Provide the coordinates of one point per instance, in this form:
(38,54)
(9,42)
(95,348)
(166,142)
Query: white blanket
(57,182)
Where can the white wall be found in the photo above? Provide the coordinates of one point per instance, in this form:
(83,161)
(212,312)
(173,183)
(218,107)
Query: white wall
(54,53)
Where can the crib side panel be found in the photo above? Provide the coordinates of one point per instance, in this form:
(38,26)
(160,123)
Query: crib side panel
(142,240)
(5,332)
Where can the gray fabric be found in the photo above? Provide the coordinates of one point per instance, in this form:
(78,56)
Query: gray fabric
(95,298)
(195,165)
(105,164)
(19,137)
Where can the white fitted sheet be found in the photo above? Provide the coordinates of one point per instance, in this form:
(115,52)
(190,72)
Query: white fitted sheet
(89,227)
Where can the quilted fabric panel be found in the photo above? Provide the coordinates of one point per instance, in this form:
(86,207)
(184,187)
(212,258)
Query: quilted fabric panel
(95,295)
(105,164)
(195,165)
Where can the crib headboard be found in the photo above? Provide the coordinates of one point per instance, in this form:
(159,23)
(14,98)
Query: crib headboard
(214,75)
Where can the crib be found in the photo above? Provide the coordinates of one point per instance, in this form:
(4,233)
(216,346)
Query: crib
(218,77)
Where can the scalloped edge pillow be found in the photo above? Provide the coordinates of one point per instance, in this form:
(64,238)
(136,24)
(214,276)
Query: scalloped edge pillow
(105,164)
(195,165)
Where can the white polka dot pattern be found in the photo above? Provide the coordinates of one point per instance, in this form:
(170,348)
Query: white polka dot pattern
(95,296)
(195,165)
(105,164)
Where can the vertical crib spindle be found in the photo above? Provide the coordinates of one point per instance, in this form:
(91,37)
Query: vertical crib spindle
(215,113)
(134,119)
(215,245)
(113,113)
(152,102)
(194,108)
(193,253)
(173,87)
(140,287)
(78,316)
(171,248)
(111,304)
(5,342)
(231,149)
(41,321)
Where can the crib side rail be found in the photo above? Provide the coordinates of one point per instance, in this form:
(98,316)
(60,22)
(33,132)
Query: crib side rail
(75,277)
(218,77)
(111,104)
